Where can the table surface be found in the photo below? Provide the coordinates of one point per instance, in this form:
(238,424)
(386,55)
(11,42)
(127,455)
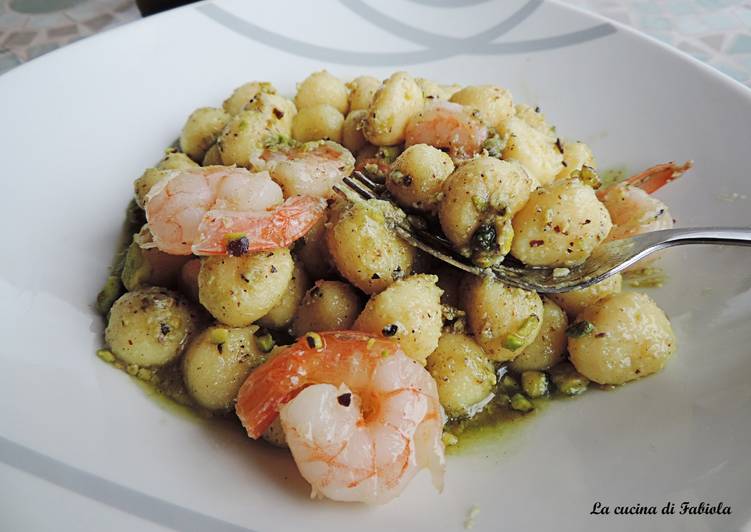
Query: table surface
(715,31)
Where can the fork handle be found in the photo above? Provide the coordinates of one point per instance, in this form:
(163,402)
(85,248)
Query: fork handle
(729,236)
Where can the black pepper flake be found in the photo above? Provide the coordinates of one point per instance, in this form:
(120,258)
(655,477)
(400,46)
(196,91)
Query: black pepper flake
(345,399)
(407,180)
(278,113)
(537,109)
(220,348)
(587,221)
(536,243)
(273,269)
(559,145)
(375,277)
(390,330)
(164,329)
(238,247)
(600,335)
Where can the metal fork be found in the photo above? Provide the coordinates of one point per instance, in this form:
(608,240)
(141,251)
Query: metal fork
(607,259)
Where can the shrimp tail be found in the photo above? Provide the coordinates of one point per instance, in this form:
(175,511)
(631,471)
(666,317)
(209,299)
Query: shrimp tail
(653,178)
(273,229)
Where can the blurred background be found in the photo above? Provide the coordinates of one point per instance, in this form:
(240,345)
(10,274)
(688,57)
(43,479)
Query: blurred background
(715,31)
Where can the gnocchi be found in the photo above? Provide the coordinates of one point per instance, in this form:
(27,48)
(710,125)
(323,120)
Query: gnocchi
(328,306)
(464,375)
(417,177)
(395,102)
(150,326)
(504,320)
(630,338)
(216,363)
(365,250)
(409,311)
(560,225)
(239,290)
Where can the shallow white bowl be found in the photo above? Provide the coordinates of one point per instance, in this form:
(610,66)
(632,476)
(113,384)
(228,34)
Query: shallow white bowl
(83,448)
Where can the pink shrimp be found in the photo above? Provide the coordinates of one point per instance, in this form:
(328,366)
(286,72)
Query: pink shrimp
(632,209)
(447,125)
(360,417)
(196,210)
(311,168)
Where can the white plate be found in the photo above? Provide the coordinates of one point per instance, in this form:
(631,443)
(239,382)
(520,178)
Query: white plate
(83,448)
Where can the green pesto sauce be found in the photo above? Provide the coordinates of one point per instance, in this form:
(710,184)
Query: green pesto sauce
(166,402)
(609,176)
(495,425)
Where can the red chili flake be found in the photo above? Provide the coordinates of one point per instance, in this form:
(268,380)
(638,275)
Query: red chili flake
(238,247)
(278,113)
(557,228)
(390,330)
(536,243)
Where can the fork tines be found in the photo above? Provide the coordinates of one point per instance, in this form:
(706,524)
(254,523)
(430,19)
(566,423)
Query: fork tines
(435,245)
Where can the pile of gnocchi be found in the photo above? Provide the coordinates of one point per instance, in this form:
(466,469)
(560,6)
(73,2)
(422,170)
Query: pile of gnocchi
(239,247)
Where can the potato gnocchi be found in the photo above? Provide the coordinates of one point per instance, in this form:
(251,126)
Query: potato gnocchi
(238,244)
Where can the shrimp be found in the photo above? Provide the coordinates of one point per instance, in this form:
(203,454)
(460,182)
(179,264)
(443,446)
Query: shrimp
(360,417)
(197,210)
(447,125)
(311,168)
(632,209)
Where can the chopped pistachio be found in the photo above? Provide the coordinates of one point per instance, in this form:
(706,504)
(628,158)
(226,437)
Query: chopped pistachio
(388,153)
(265,342)
(519,338)
(567,380)
(314,340)
(145,375)
(219,335)
(520,403)
(588,176)
(494,144)
(535,383)
(505,237)
(449,439)
(131,369)
(106,355)
(480,203)
(509,383)
(579,329)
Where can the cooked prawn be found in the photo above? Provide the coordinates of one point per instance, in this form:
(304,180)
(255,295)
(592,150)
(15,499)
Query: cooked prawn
(311,168)
(360,417)
(632,209)
(447,125)
(194,211)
